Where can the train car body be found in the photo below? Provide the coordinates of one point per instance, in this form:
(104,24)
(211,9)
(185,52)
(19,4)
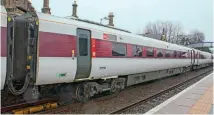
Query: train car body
(58,39)
(67,52)
(3,45)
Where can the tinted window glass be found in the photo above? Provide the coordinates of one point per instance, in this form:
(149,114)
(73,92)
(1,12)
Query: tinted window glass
(159,53)
(150,52)
(136,51)
(83,45)
(202,56)
(184,54)
(118,49)
(31,31)
(168,53)
(174,54)
(188,56)
(179,54)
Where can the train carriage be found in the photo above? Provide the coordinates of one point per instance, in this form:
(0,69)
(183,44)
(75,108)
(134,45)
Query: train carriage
(104,57)
(58,52)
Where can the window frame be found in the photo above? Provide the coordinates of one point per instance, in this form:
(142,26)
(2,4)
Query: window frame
(113,43)
(153,51)
(170,53)
(162,51)
(85,46)
(141,49)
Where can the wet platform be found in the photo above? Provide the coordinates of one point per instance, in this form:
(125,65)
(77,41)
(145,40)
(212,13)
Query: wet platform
(196,99)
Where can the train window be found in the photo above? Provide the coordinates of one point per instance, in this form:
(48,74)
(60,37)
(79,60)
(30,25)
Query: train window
(159,53)
(118,49)
(188,54)
(136,51)
(174,54)
(168,53)
(31,28)
(202,56)
(184,54)
(149,52)
(178,54)
(83,45)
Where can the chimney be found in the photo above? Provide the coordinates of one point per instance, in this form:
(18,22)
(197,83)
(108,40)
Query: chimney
(110,16)
(74,14)
(46,8)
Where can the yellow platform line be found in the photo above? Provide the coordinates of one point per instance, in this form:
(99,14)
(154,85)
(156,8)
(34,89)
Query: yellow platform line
(204,104)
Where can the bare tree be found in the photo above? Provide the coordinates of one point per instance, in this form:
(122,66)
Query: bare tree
(171,30)
(172,33)
(196,36)
(183,39)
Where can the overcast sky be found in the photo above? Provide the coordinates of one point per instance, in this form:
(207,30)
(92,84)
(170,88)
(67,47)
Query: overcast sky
(133,15)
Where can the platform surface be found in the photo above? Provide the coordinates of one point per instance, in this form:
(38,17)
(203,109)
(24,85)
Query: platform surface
(196,99)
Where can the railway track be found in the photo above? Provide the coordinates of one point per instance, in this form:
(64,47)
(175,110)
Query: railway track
(150,101)
(29,107)
(53,107)
(105,105)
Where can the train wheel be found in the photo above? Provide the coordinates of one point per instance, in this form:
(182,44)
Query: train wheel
(83,92)
(115,87)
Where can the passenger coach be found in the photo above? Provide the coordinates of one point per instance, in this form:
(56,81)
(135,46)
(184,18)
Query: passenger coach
(84,56)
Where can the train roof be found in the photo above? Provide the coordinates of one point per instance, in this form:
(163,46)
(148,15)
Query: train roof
(100,27)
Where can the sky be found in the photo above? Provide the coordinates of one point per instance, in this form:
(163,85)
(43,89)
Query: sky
(133,15)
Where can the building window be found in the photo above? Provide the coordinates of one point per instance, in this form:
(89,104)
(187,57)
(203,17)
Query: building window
(136,51)
(168,53)
(159,53)
(118,49)
(150,52)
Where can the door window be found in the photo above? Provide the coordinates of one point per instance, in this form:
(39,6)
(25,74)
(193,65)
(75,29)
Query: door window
(83,45)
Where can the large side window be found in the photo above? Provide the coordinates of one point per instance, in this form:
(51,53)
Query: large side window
(168,53)
(179,54)
(118,49)
(184,54)
(83,45)
(149,52)
(202,56)
(159,53)
(136,51)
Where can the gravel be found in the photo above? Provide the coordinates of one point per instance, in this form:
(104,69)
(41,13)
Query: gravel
(128,96)
(146,106)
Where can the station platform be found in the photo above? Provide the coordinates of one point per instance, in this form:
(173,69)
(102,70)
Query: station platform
(196,99)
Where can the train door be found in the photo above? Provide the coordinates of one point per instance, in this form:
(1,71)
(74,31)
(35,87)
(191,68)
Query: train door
(197,58)
(83,53)
(192,57)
